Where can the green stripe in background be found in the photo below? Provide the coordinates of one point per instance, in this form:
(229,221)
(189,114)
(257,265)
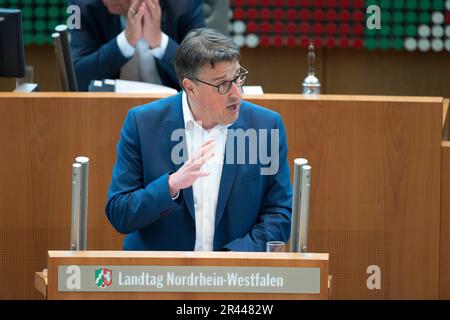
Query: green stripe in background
(39,18)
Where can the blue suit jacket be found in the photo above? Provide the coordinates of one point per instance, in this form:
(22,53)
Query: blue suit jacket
(251,208)
(94,47)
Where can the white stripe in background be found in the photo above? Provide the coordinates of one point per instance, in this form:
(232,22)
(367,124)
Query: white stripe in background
(239,40)
(437,45)
(424,31)
(447,44)
(239,27)
(424,44)
(437,17)
(437,31)
(252,40)
(410,44)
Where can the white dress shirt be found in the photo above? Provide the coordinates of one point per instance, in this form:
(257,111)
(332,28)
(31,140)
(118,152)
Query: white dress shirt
(205,189)
(142,65)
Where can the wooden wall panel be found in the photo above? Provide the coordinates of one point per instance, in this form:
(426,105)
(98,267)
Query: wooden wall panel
(374,189)
(444,262)
(374,199)
(41,138)
(282,70)
(446,120)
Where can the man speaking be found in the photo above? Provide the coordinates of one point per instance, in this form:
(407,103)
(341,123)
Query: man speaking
(202,170)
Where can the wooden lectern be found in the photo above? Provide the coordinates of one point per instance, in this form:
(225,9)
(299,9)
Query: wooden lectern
(184,275)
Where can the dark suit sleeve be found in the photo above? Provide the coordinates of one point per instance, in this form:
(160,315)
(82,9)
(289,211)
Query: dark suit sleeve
(94,57)
(193,18)
(274,221)
(101,64)
(131,205)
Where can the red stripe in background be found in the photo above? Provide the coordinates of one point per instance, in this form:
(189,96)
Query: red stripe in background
(305,3)
(324,11)
(318,3)
(252,14)
(344,29)
(278,3)
(265,14)
(252,27)
(265,27)
(344,42)
(305,14)
(264,41)
(292,28)
(345,15)
(357,16)
(278,27)
(318,28)
(331,15)
(278,14)
(331,42)
(238,14)
(345,4)
(304,42)
(277,41)
(331,28)
(358,29)
(331,3)
(358,43)
(291,42)
(317,43)
(305,28)
(358,3)
(319,15)
(292,15)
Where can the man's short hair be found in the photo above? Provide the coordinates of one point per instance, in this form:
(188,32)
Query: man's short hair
(200,47)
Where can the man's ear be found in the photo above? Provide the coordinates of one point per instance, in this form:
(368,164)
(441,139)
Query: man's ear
(188,86)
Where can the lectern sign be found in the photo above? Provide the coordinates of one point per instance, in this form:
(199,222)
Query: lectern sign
(89,278)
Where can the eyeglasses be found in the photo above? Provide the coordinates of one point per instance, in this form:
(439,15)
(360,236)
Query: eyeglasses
(225,86)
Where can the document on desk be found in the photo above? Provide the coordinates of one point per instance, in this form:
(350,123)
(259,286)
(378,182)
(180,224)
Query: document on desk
(126,86)
(252,90)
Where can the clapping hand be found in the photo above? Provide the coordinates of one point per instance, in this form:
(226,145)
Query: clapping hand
(135,15)
(151,27)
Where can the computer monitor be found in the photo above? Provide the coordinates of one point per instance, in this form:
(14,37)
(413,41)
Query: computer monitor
(12,62)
